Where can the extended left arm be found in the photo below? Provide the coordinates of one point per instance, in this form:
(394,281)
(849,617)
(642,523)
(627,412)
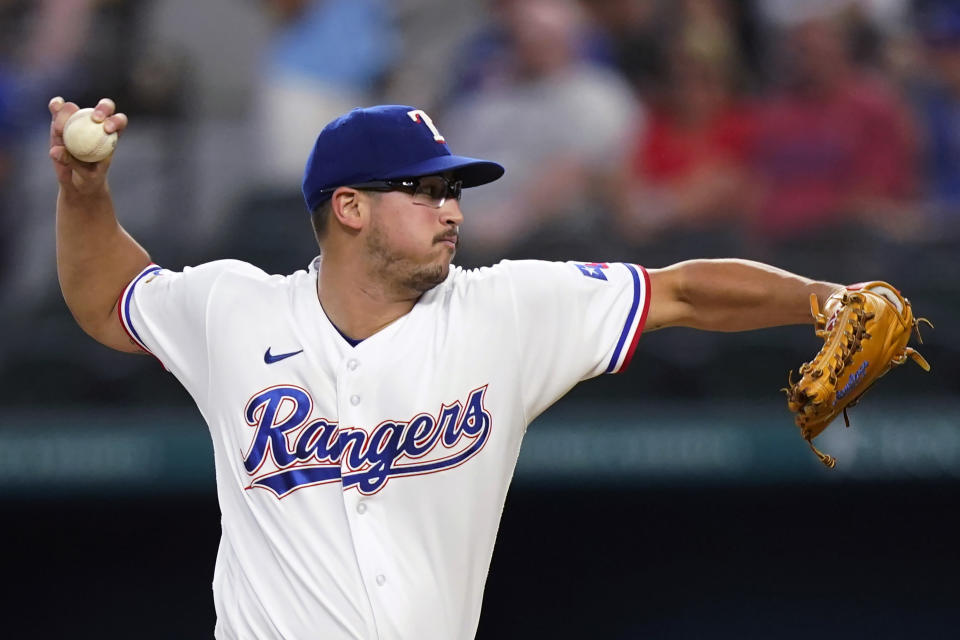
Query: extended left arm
(730,295)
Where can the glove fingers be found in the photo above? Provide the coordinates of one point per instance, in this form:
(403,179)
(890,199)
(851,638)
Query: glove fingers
(851,358)
(919,359)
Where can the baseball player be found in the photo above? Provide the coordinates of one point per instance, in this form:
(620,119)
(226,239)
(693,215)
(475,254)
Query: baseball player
(367,411)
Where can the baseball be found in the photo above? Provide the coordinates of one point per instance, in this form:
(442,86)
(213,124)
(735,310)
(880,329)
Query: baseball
(85,139)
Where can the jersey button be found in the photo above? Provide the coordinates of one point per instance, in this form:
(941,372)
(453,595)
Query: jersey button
(354,400)
(352,364)
(381,579)
(362,508)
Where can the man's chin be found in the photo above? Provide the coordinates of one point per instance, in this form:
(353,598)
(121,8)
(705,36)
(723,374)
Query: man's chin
(442,272)
(443,264)
(428,277)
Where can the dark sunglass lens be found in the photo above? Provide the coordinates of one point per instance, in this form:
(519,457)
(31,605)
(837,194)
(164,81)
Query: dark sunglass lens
(435,188)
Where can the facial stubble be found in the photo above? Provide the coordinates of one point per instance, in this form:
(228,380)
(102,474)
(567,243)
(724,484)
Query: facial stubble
(400,271)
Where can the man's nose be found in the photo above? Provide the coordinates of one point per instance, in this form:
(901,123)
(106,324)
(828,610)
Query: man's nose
(450,213)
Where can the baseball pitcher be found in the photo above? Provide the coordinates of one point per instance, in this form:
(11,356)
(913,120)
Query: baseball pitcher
(367,411)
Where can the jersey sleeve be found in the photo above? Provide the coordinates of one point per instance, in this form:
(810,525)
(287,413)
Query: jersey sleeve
(575,320)
(165,313)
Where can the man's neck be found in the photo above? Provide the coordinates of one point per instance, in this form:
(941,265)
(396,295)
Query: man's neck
(356,304)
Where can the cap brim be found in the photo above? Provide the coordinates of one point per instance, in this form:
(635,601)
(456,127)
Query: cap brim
(472,171)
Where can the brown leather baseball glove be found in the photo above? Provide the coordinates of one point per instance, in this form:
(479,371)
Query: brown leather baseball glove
(865,330)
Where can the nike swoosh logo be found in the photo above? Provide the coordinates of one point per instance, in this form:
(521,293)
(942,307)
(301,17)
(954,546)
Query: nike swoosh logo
(269,358)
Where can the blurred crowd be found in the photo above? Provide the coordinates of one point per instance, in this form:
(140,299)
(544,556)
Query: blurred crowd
(648,130)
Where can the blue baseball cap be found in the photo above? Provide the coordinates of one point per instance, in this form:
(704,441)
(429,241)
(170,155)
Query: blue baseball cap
(383,143)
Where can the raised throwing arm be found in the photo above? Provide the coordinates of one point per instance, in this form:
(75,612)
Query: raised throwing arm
(730,295)
(96,258)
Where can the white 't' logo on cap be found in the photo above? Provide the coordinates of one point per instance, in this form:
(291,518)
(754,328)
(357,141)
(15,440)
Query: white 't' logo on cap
(418,115)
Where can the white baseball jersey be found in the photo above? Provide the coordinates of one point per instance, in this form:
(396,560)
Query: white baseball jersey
(361,487)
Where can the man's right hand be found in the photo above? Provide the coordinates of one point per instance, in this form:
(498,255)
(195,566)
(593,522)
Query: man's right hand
(76,177)
(96,258)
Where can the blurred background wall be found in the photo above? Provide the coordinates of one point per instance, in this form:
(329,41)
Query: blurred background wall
(673,501)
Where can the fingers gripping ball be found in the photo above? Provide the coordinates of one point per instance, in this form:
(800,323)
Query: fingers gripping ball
(865,329)
(85,139)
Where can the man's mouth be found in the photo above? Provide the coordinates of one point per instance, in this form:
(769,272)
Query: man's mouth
(451,241)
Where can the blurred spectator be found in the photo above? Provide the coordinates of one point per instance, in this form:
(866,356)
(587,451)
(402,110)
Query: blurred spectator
(835,144)
(83,50)
(637,37)
(555,121)
(326,57)
(488,55)
(423,78)
(874,29)
(39,42)
(883,15)
(688,169)
(938,107)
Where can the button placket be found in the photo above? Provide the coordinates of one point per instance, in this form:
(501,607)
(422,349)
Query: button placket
(368,547)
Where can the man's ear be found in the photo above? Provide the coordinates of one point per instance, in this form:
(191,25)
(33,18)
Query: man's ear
(346,205)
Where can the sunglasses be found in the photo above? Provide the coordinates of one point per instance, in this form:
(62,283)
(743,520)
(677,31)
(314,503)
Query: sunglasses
(430,191)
